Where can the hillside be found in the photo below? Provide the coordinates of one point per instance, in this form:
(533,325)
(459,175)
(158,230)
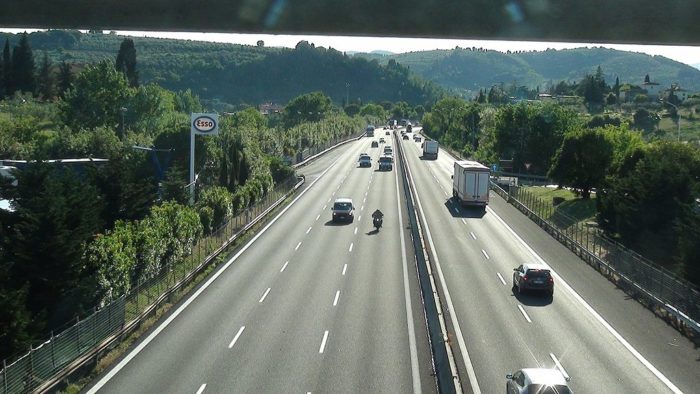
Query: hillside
(471,69)
(242,74)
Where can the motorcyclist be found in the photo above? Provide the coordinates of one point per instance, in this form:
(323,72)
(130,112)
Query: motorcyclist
(377,214)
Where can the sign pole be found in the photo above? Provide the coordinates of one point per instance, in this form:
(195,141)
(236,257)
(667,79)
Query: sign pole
(191,167)
(203,124)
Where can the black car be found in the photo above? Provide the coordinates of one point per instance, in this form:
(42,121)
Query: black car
(533,277)
(375,144)
(405,136)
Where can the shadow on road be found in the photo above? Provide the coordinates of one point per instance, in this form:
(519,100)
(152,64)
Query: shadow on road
(373,232)
(332,223)
(532,297)
(458,211)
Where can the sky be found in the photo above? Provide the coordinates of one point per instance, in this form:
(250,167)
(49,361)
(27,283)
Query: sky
(686,54)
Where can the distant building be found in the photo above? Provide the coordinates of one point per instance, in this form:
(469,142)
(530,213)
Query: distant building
(270,108)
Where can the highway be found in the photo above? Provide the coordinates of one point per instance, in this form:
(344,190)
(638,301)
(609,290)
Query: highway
(308,306)
(603,340)
(313,306)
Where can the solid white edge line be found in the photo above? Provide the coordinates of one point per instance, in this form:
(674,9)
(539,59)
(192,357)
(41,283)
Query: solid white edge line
(298,245)
(323,343)
(351,244)
(284,266)
(415,371)
(592,311)
(485,254)
(196,294)
(501,278)
(559,366)
(309,230)
(337,295)
(201,388)
(265,295)
(450,306)
(524,313)
(238,334)
(345,267)
(472,234)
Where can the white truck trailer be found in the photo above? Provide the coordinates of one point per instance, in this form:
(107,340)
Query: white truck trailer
(430,149)
(470,183)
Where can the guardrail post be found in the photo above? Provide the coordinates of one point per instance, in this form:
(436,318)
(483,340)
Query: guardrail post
(31,367)
(4,374)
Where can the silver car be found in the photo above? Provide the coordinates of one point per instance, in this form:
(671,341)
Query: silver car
(537,381)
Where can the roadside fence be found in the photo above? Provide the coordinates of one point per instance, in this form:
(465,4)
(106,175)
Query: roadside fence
(671,297)
(88,338)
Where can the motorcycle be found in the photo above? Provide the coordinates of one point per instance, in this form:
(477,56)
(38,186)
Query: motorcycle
(377,223)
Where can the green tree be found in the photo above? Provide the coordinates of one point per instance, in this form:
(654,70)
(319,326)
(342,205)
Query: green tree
(650,196)
(45,81)
(645,120)
(7,81)
(310,107)
(173,186)
(57,212)
(23,69)
(374,110)
(65,79)
(582,160)
(529,133)
(96,98)
(126,62)
(219,200)
(352,109)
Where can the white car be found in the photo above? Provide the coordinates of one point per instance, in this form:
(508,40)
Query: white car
(537,381)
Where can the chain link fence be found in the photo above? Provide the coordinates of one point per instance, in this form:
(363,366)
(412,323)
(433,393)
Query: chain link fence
(34,370)
(668,295)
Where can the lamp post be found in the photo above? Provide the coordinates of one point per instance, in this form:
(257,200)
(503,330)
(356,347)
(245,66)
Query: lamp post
(678,112)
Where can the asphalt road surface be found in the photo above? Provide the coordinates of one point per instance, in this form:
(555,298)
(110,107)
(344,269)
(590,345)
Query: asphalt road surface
(606,342)
(309,306)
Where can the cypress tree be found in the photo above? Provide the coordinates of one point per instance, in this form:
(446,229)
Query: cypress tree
(46,89)
(126,62)
(65,78)
(7,69)
(23,69)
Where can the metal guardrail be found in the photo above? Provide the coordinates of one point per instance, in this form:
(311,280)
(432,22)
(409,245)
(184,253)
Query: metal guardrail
(670,297)
(447,381)
(45,365)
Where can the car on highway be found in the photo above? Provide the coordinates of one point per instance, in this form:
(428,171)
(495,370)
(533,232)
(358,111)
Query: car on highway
(386,163)
(343,210)
(365,160)
(533,277)
(388,133)
(405,136)
(417,138)
(382,140)
(375,144)
(388,150)
(537,381)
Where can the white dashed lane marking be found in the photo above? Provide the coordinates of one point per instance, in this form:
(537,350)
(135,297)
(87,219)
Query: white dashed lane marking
(485,255)
(284,266)
(298,245)
(323,342)
(501,278)
(238,334)
(524,313)
(265,295)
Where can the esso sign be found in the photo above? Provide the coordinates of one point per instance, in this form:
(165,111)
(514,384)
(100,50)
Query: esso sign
(205,124)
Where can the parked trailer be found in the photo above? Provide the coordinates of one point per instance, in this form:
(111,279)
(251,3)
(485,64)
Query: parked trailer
(470,183)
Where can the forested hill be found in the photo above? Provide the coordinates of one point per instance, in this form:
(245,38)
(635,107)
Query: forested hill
(475,68)
(242,74)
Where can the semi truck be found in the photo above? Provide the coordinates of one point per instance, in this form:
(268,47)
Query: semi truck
(430,149)
(470,183)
